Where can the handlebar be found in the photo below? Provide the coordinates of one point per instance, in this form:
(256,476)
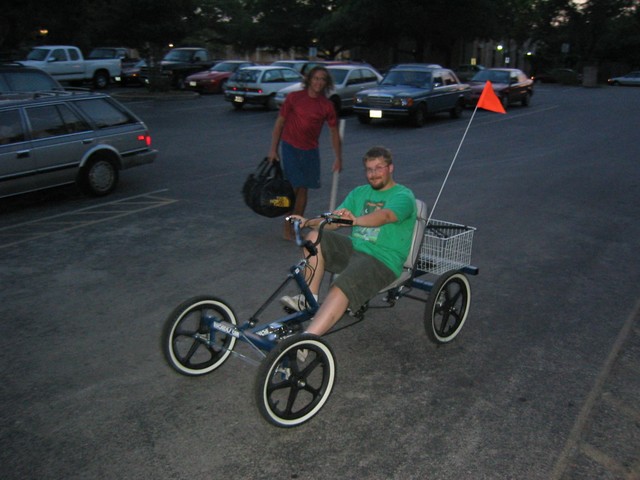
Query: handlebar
(327,218)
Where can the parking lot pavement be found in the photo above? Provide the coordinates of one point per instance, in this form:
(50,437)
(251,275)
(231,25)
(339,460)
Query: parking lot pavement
(541,383)
(605,437)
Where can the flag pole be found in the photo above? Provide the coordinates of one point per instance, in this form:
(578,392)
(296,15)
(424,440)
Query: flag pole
(451,166)
(489,101)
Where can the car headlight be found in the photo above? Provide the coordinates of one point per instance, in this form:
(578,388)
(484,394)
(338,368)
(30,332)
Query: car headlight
(359,100)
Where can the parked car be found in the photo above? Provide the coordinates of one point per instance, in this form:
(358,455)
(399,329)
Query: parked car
(64,137)
(18,78)
(215,79)
(258,85)
(565,76)
(347,81)
(65,63)
(467,71)
(632,78)
(413,91)
(179,63)
(510,84)
(131,75)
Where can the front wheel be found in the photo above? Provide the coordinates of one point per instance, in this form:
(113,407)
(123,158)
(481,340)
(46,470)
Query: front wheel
(456,111)
(447,307)
(419,116)
(526,99)
(295,380)
(190,345)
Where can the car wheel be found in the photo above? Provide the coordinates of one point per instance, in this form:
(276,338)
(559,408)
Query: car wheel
(271,102)
(364,119)
(336,104)
(237,105)
(456,111)
(419,116)
(526,99)
(100,80)
(504,99)
(98,177)
(223,85)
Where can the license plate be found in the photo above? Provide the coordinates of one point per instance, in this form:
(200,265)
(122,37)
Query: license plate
(375,113)
(192,84)
(238,99)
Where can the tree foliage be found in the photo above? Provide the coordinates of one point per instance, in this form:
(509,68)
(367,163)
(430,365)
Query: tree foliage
(596,30)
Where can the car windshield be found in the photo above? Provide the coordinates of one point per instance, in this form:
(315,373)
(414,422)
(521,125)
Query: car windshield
(103,53)
(407,77)
(337,75)
(178,56)
(250,76)
(494,76)
(225,67)
(38,54)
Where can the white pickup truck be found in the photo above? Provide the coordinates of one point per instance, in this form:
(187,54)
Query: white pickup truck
(66,64)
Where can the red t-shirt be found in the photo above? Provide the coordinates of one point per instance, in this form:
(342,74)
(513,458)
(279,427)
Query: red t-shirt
(304,117)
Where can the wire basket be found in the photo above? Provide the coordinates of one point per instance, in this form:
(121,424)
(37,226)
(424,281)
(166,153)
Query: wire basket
(446,246)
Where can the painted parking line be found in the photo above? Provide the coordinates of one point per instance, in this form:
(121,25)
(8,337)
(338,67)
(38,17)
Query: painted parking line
(585,439)
(23,232)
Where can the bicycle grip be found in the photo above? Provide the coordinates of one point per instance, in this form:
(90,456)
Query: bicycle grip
(342,221)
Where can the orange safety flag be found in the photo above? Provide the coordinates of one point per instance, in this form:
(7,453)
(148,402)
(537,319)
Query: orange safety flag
(489,100)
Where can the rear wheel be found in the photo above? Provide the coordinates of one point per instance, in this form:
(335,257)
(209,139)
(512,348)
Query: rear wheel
(271,102)
(98,177)
(447,307)
(295,380)
(337,104)
(101,80)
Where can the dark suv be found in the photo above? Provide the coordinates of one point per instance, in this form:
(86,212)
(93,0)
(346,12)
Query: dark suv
(56,138)
(18,78)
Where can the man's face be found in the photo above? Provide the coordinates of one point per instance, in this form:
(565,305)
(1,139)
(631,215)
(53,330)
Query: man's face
(378,173)
(318,82)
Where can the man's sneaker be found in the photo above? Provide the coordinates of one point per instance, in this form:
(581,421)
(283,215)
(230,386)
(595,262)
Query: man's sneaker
(296,303)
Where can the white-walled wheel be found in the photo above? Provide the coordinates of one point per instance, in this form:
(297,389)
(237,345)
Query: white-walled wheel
(295,380)
(447,306)
(190,346)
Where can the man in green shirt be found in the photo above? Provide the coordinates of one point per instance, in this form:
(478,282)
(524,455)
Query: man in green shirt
(383,215)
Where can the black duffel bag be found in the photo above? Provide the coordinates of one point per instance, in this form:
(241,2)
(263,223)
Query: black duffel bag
(267,192)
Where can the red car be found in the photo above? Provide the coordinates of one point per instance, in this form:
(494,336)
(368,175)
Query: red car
(214,79)
(510,84)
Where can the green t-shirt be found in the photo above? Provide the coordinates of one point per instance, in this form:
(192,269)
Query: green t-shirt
(389,243)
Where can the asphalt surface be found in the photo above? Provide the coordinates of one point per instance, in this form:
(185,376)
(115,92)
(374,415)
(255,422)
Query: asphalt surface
(542,383)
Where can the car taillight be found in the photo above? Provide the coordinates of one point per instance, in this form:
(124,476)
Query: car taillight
(145,138)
